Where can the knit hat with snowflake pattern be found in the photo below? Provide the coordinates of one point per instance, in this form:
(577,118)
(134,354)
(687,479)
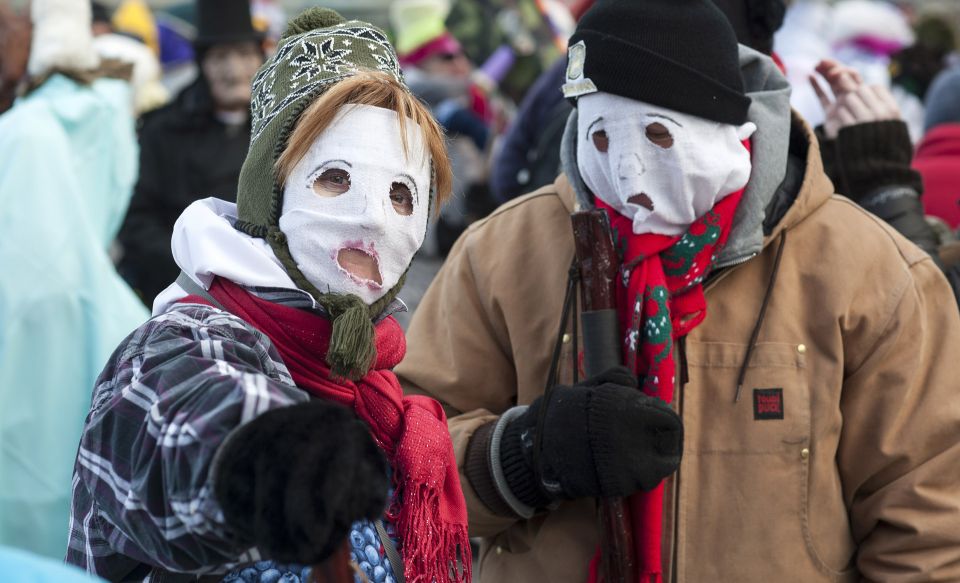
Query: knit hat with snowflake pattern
(318,49)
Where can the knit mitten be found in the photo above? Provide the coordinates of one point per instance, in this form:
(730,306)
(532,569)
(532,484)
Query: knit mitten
(294,479)
(601,438)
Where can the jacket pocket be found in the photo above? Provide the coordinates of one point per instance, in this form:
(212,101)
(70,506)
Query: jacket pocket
(772,415)
(831,547)
(743,484)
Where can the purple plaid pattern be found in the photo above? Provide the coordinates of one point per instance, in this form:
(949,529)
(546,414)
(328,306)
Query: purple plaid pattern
(169,396)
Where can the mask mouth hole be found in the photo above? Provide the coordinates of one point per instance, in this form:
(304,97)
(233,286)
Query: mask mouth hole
(641,200)
(360,264)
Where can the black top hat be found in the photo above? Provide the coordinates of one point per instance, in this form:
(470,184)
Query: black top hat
(224,21)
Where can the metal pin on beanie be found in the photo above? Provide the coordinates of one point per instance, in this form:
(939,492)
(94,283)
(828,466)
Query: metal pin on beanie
(678,54)
(576,84)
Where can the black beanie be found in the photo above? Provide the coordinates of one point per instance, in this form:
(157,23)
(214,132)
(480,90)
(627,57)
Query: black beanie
(678,54)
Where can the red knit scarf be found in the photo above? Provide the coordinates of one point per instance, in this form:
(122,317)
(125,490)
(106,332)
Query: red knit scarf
(659,300)
(428,508)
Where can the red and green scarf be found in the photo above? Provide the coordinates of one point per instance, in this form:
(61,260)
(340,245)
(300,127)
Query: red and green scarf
(428,508)
(659,300)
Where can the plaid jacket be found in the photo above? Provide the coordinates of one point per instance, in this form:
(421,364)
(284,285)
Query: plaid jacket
(170,394)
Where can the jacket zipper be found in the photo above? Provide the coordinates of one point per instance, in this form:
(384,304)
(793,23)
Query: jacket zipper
(736,262)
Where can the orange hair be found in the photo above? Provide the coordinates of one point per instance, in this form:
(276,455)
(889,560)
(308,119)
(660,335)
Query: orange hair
(379,90)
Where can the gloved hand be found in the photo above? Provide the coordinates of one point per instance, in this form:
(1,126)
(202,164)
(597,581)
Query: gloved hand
(601,438)
(294,479)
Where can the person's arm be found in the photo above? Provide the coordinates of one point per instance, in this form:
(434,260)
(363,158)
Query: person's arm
(866,152)
(194,430)
(899,454)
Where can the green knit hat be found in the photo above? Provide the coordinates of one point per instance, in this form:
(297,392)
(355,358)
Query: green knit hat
(318,49)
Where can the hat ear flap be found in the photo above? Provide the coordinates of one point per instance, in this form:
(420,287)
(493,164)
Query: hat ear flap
(746,130)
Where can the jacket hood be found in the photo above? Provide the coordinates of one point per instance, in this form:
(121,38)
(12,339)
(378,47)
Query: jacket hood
(942,141)
(769,110)
(205,245)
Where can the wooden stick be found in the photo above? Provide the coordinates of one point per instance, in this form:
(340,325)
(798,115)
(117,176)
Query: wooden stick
(599,266)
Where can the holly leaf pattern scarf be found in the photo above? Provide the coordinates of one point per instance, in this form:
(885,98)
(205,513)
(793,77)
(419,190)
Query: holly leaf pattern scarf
(660,300)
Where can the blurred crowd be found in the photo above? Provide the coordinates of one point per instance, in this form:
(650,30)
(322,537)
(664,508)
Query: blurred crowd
(115,118)
(489,71)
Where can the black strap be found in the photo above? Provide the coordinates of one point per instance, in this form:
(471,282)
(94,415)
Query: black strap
(573,276)
(158,575)
(392,554)
(194,289)
(755,335)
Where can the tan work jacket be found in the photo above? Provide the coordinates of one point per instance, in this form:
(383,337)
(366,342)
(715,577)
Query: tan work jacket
(859,480)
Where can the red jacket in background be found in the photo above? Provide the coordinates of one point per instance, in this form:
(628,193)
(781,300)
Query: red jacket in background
(938,161)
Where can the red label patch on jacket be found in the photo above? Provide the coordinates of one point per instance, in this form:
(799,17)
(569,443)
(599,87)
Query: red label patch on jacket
(768,403)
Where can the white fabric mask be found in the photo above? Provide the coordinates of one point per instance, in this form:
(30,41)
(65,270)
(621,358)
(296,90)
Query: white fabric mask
(355,207)
(661,168)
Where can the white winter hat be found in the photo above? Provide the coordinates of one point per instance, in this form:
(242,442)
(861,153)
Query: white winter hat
(62,38)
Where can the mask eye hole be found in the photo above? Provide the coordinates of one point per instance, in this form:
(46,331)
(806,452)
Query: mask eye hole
(332,182)
(659,135)
(600,141)
(401,198)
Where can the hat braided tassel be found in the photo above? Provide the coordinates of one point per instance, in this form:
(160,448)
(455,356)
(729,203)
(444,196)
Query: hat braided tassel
(352,348)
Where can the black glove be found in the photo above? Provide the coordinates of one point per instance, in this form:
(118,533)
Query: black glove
(294,479)
(601,438)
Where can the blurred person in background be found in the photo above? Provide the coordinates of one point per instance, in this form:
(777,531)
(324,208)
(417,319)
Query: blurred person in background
(148,91)
(866,151)
(915,67)
(193,147)
(69,162)
(938,154)
(14,51)
(175,35)
(135,18)
(438,72)
(270,18)
(529,155)
(862,34)
(528,28)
